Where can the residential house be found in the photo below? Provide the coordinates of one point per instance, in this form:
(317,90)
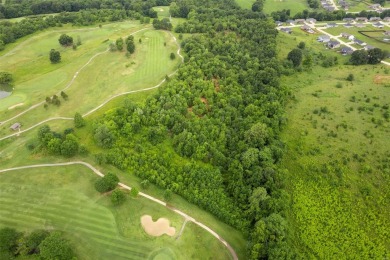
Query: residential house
(375,19)
(323,38)
(369,47)
(359,42)
(348,36)
(329,8)
(331,25)
(15,126)
(333,44)
(361,19)
(386,19)
(346,51)
(286,30)
(378,25)
(311,20)
(299,21)
(348,20)
(279,23)
(387,33)
(375,6)
(307,28)
(348,25)
(290,22)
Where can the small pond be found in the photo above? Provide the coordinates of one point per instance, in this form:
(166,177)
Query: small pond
(5,91)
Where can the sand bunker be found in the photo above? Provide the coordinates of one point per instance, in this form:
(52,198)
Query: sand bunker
(17,105)
(158,228)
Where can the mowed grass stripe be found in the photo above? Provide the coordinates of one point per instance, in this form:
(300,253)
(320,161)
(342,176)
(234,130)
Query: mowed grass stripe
(96,214)
(29,221)
(55,210)
(110,247)
(121,243)
(58,217)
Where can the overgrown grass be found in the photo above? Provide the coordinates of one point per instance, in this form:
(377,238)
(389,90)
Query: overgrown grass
(295,6)
(337,160)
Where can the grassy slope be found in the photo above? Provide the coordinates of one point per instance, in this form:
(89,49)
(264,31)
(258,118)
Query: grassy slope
(13,152)
(340,192)
(30,199)
(108,74)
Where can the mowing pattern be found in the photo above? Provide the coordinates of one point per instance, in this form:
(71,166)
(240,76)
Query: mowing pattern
(26,207)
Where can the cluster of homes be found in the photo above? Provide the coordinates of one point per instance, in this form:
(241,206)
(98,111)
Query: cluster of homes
(349,22)
(308,26)
(328,5)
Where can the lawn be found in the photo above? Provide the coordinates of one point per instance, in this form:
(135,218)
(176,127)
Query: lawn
(63,198)
(358,6)
(355,31)
(108,73)
(337,161)
(270,6)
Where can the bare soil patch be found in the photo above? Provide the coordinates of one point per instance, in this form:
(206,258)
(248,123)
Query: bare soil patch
(158,228)
(381,79)
(14,106)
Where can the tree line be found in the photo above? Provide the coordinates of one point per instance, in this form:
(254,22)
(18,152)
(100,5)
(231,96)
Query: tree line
(39,244)
(211,134)
(20,8)
(323,15)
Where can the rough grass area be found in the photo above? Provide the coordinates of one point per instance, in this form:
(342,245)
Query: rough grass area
(270,6)
(337,161)
(64,198)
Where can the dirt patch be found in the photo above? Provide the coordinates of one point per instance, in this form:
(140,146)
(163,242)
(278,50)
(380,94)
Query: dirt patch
(14,106)
(381,79)
(158,228)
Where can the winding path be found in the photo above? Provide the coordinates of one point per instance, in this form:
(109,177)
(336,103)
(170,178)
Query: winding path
(96,108)
(96,171)
(67,86)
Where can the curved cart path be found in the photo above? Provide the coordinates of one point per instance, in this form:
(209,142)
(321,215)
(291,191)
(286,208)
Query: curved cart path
(96,171)
(96,108)
(67,86)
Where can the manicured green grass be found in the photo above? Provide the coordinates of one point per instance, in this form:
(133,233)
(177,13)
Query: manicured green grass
(107,75)
(64,198)
(337,162)
(246,4)
(162,11)
(358,5)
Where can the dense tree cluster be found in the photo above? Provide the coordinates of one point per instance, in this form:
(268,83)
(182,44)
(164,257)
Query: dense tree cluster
(106,183)
(322,15)
(78,12)
(6,80)
(211,134)
(130,46)
(65,40)
(41,244)
(372,56)
(54,56)
(65,144)
(163,24)
(19,8)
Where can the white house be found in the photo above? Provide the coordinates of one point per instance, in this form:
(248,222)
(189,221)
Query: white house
(323,38)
